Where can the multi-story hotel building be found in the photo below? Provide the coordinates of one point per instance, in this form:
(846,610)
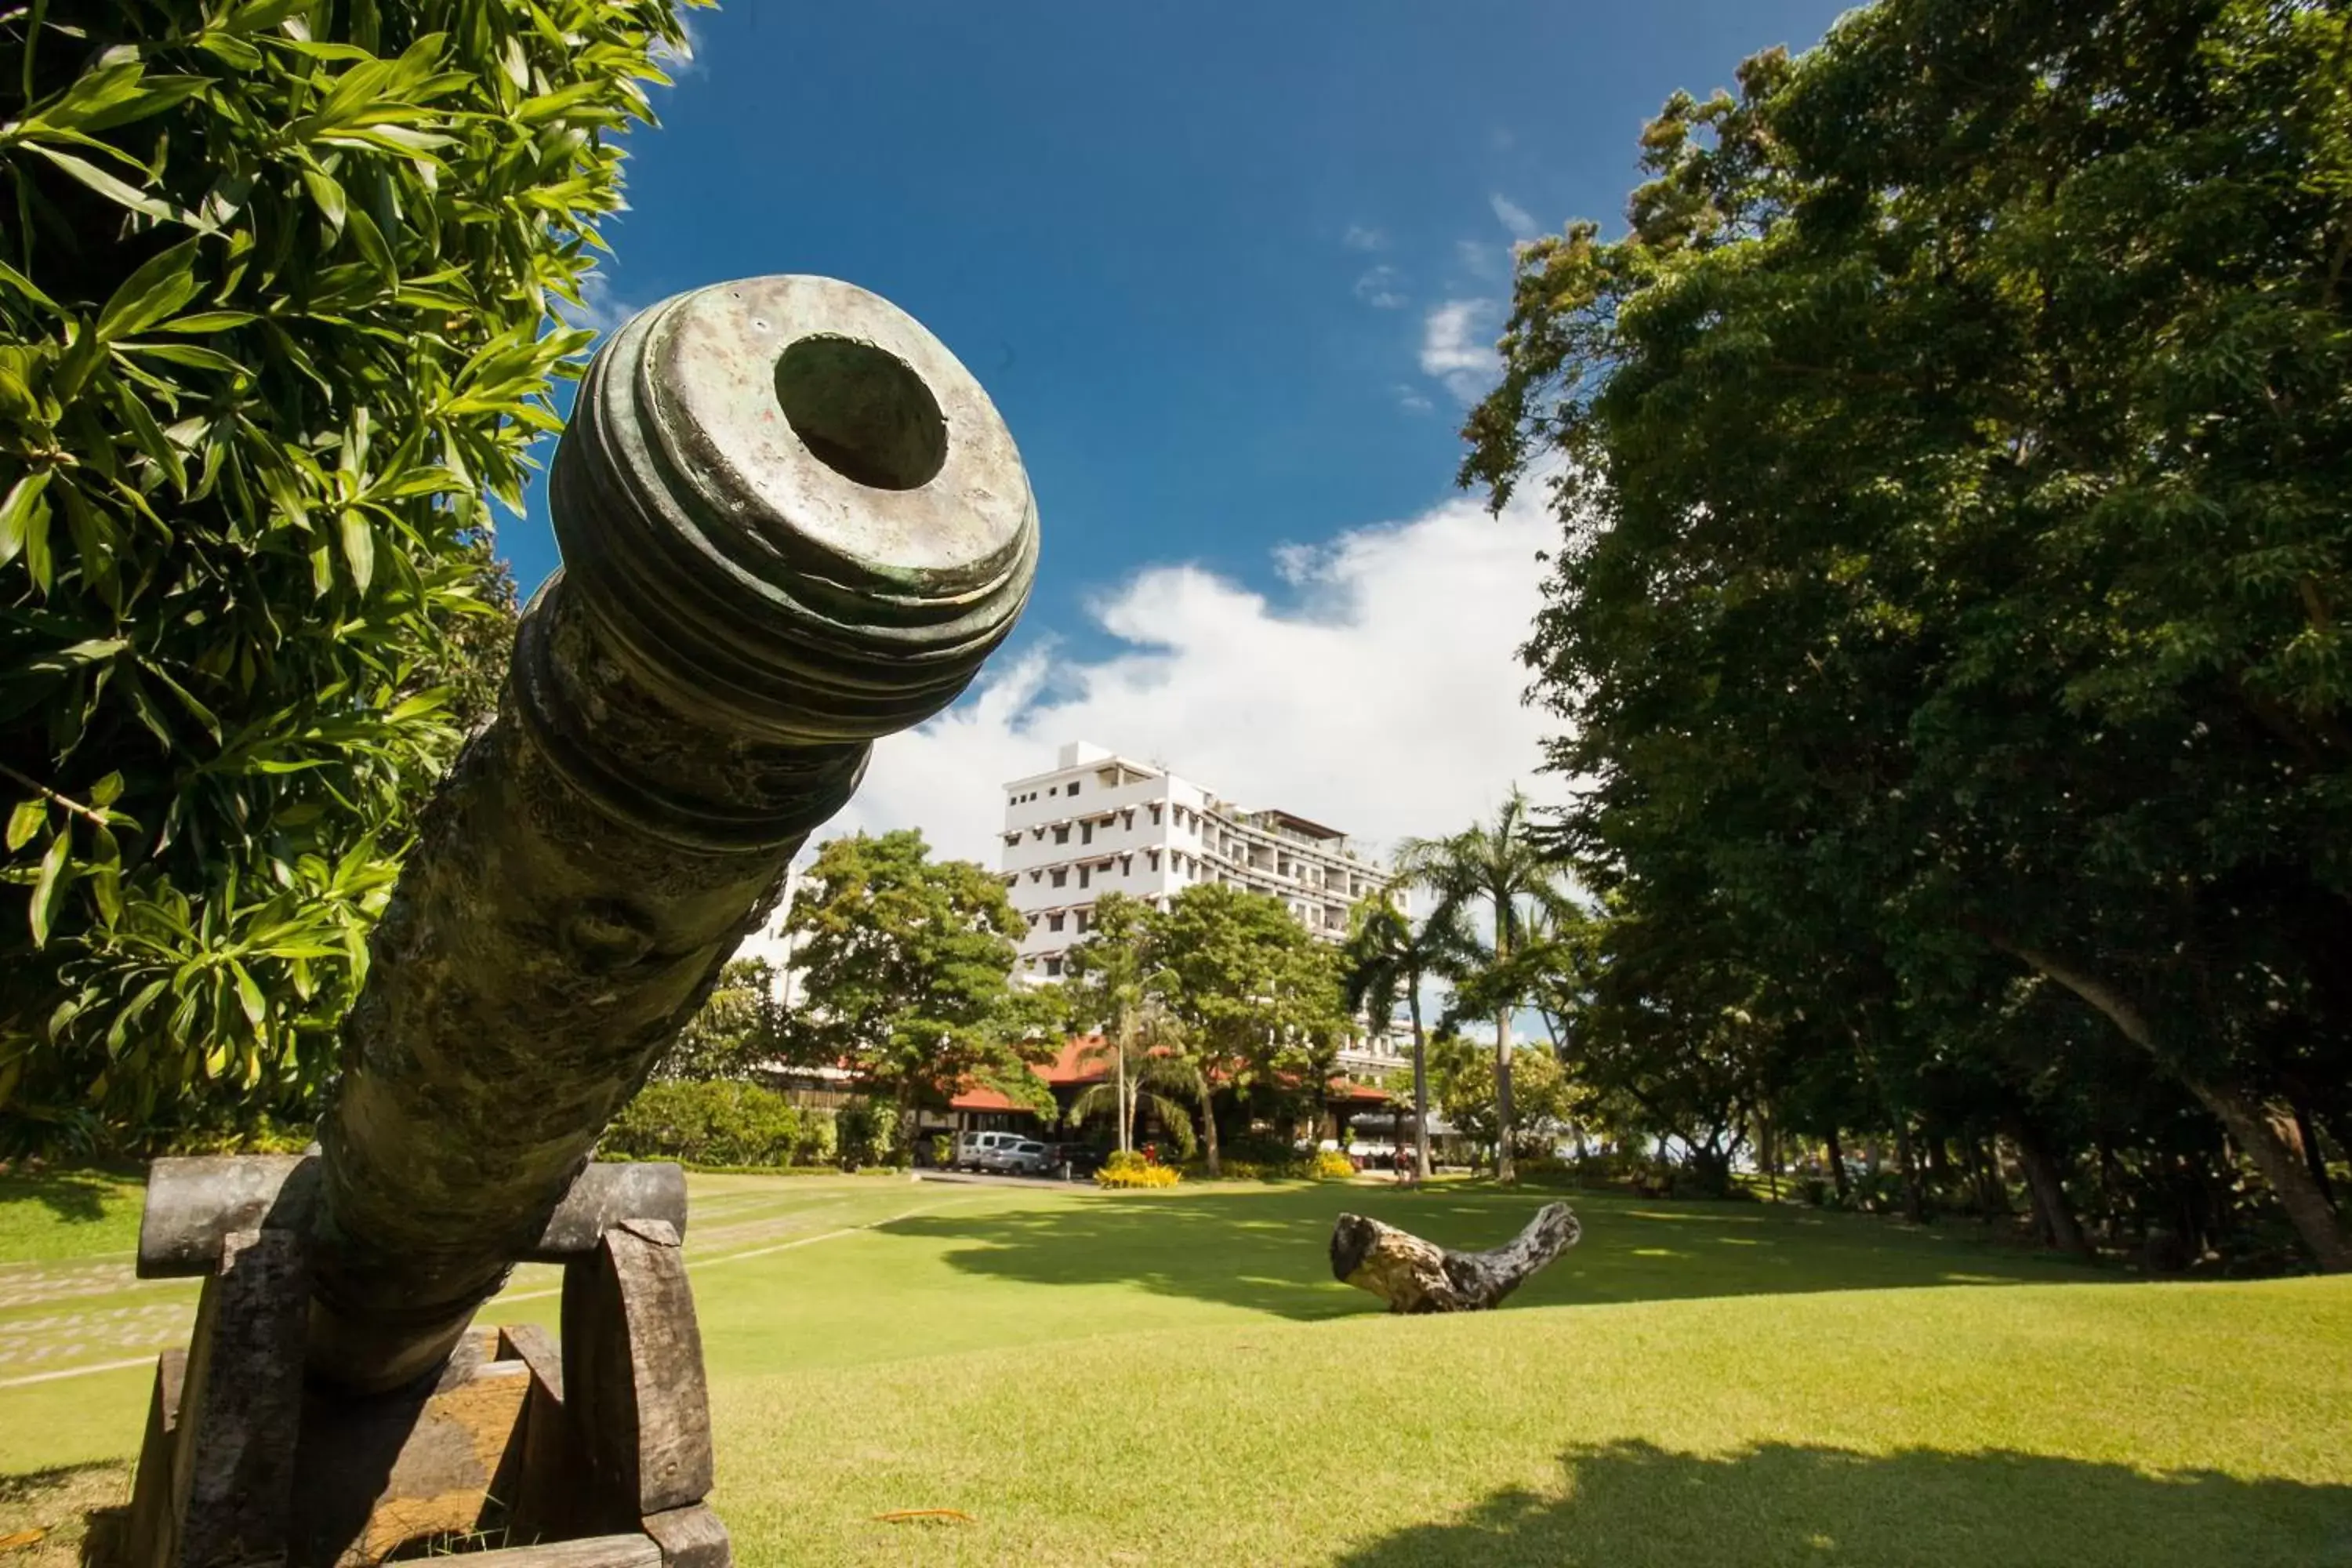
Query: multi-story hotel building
(1100,823)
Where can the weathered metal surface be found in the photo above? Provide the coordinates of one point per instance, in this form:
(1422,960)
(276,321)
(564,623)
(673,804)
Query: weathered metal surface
(791,524)
(607,1196)
(194,1201)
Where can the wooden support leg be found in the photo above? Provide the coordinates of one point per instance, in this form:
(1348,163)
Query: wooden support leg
(634,1389)
(226,1432)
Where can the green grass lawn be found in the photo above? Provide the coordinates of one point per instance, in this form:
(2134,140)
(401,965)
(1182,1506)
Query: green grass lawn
(1174,1379)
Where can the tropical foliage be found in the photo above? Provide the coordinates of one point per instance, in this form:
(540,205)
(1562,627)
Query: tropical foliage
(274,334)
(904,968)
(1948,625)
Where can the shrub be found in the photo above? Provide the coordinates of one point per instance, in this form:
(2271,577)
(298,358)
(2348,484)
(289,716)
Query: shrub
(1329,1164)
(712,1124)
(820,1141)
(1126,1168)
(867,1131)
(272,334)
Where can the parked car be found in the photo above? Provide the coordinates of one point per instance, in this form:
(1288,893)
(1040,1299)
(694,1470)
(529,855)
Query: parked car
(978,1151)
(1077,1162)
(1026,1158)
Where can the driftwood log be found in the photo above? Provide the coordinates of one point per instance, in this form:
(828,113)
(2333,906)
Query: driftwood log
(1416,1276)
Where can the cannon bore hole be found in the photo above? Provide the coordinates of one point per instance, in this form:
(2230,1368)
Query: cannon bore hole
(862,412)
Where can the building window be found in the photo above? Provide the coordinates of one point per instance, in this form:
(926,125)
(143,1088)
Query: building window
(1011,840)
(1061,878)
(1084,875)
(1126,865)
(1054,922)
(1054,966)
(1035,875)
(1073,786)
(1062,833)
(1085,920)
(1127,818)
(1086,833)
(1151,859)
(1155,817)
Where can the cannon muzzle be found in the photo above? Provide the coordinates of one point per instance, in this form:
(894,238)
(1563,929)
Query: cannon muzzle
(791,522)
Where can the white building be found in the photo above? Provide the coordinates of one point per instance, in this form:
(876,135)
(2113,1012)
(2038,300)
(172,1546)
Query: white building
(1099,823)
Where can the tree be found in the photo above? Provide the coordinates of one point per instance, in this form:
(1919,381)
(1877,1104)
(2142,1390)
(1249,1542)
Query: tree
(1148,1068)
(1500,867)
(1951,462)
(1253,993)
(1467,1091)
(738,1028)
(273,333)
(906,965)
(1386,955)
(1113,990)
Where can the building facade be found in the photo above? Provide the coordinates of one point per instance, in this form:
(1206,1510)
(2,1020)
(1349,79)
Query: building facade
(1099,823)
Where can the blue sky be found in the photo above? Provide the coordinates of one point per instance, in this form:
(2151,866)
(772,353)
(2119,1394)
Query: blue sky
(1228,270)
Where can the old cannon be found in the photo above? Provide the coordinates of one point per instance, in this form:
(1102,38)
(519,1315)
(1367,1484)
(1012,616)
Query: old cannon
(791,522)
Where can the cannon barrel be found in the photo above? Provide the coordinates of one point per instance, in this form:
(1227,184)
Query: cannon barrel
(791,522)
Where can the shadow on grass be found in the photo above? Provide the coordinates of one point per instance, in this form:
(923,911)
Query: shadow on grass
(1266,1249)
(74,1197)
(1628,1505)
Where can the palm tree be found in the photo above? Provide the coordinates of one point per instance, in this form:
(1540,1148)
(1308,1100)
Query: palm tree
(1500,867)
(1384,955)
(1113,988)
(1144,1051)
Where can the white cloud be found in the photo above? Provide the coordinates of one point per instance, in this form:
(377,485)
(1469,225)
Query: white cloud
(600,308)
(1514,218)
(1412,398)
(680,62)
(1384,697)
(1359,238)
(1455,347)
(1377,287)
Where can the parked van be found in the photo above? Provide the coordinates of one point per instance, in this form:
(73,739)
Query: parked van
(981,1150)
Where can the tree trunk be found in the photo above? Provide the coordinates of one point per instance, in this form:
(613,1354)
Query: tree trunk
(1126,1103)
(2263,1131)
(2045,1183)
(1208,1125)
(2266,1132)
(1915,1202)
(1503,1170)
(1416,1276)
(1420,1086)
(1992,1186)
(2312,1154)
(1837,1170)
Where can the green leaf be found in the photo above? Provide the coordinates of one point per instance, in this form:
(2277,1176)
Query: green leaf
(208,321)
(51,883)
(25,821)
(248,994)
(152,294)
(359,548)
(327,196)
(188,354)
(107,186)
(16,513)
(107,791)
(25,286)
